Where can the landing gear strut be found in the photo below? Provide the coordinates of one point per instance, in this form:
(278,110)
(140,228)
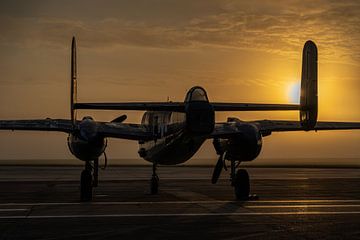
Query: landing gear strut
(154,182)
(88,180)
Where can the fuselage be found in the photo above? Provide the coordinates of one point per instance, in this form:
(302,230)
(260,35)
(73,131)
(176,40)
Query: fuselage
(174,144)
(179,134)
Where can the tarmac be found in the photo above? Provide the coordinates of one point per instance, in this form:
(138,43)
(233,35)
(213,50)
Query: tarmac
(42,202)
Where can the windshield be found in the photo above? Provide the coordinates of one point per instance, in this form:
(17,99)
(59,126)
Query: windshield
(196,94)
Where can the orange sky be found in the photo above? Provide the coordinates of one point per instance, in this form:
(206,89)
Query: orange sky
(149,50)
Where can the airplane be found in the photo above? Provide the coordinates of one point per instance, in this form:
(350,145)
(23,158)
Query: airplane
(171,133)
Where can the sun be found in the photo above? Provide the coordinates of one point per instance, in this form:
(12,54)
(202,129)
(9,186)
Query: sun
(294,92)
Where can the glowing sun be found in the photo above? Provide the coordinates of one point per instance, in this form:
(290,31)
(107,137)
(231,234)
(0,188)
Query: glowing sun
(294,92)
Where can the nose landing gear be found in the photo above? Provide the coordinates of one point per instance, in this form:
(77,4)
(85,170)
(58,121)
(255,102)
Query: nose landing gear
(88,180)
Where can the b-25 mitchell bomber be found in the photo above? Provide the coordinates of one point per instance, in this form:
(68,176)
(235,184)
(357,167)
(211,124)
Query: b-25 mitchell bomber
(171,133)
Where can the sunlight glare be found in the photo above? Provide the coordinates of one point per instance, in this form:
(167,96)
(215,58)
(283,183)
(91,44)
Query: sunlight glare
(294,92)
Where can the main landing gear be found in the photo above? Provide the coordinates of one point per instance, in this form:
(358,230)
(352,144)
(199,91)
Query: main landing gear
(154,182)
(240,180)
(88,180)
(239,177)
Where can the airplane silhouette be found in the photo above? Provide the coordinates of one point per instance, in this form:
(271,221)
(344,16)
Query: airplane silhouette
(172,132)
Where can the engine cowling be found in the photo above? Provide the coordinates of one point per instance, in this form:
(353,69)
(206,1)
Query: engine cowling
(245,146)
(85,144)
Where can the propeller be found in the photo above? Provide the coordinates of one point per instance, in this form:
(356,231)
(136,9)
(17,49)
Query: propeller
(120,119)
(73,79)
(218,168)
(105,162)
(220,148)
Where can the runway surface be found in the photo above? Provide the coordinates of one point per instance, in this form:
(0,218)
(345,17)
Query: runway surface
(42,203)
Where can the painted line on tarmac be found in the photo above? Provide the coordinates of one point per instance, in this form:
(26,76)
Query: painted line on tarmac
(13,209)
(307,206)
(243,203)
(75,181)
(181,215)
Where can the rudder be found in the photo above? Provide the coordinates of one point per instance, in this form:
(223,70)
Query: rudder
(309,86)
(73,83)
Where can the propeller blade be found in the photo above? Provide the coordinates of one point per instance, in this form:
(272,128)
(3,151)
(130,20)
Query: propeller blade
(120,119)
(105,161)
(217,170)
(73,87)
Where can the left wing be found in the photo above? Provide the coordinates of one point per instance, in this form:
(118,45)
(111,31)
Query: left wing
(226,129)
(268,126)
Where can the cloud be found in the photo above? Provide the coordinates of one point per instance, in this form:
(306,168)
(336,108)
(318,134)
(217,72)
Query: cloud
(280,27)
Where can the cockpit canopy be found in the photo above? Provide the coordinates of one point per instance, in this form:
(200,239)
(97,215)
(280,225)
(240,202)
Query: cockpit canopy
(197,94)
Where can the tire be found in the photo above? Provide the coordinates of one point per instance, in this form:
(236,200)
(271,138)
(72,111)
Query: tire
(154,185)
(242,185)
(86,191)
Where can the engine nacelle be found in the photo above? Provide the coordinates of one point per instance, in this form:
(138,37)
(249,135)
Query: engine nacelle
(84,150)
(86,145)
(245,146)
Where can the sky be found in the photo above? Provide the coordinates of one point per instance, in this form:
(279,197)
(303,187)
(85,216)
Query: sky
(239,51)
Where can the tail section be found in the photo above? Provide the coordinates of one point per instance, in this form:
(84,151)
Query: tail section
(73,87)
(309,86)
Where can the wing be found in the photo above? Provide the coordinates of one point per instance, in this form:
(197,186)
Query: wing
(253,107)
(124,131)
(225,130)
(59,125)
(104,129)
(140,106)
(268,126)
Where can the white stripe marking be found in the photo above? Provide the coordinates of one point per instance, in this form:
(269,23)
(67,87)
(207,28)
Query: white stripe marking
(185,202)
(179,215)
(13,209)
(306,206)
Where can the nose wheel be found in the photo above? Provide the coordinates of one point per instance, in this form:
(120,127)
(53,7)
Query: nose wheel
(88,180)
(86,191)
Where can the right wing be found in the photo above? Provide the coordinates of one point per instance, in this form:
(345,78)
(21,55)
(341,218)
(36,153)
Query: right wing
(125,131)
(104,129)
(59,125)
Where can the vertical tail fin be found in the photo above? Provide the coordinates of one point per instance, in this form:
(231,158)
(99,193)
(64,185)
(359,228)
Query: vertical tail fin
(73,87)
(309,86)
